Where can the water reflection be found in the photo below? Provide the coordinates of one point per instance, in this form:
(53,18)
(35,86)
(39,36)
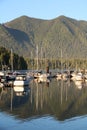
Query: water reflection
(11,100)
(59,98)
(21,90)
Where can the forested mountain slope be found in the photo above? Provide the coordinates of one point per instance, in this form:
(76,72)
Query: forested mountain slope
(24,34)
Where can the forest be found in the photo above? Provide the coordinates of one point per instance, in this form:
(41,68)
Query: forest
(7,59)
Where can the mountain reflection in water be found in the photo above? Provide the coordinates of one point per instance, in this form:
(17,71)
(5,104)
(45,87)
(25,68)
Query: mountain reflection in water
(57,98)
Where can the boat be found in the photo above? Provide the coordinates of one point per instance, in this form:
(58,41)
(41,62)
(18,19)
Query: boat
(2,77)
(79,76)
(21,80)
(43,79)
(1,85)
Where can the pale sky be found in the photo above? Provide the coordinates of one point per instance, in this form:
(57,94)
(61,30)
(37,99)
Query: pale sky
(42,9)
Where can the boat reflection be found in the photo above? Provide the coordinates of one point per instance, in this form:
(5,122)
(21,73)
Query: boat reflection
(21,90)
(13,97)
(44,81)
(61,99)
(80,84)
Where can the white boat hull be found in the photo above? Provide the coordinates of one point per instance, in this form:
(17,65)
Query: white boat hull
(21,83)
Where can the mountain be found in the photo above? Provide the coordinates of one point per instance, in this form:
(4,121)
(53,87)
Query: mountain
(25,33)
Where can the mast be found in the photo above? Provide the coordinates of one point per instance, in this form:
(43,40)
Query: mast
(37,57)
(61,61)
(11,60)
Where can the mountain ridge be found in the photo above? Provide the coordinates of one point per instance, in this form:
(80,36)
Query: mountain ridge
(23,34)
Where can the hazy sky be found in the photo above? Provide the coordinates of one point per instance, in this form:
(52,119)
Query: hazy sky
(43,9)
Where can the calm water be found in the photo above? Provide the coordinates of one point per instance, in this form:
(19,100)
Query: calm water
(51,105)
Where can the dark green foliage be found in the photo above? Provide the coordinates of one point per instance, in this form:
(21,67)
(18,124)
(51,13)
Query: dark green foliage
(5,60)
(22,63)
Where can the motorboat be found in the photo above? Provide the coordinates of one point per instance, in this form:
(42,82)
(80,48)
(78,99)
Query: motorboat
(21,80)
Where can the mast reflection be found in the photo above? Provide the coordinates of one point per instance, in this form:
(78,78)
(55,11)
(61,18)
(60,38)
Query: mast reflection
(61,99)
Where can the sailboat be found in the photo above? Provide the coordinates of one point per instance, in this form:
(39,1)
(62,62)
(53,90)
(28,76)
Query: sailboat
(62,75)
(10,77)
